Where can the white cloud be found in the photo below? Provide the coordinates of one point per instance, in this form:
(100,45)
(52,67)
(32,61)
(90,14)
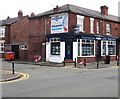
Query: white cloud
(11,7)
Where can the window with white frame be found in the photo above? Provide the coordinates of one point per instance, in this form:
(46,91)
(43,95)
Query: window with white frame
(55,46)
(98,27)
(1,47)
(111,47)
(108,48)
(2,31)
(80,23)
(104,46)
(86,47)
(91,25)
(23,47)
(108,29)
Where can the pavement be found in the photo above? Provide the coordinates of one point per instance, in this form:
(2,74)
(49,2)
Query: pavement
(7,75)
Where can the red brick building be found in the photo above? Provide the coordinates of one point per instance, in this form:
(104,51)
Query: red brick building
(16,36)
(70,32)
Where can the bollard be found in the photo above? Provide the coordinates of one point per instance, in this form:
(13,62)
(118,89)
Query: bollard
(84,62)
(117,61)
(97,63)
(13,69)
(75,62)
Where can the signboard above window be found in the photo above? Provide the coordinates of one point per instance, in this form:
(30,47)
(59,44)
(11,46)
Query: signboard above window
(59,23)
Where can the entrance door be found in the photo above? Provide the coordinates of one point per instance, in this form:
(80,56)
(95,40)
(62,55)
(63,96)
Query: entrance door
(98,56)
(68,48)
(15,48)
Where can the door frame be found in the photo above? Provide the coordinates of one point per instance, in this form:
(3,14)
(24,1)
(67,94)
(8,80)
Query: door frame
(68,48)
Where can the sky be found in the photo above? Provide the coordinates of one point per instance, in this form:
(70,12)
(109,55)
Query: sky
(11,7)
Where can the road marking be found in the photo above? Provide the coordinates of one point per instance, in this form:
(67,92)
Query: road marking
(25,76)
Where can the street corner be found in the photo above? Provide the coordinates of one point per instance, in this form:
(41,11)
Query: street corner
(8,77)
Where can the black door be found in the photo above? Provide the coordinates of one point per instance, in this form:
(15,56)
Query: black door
(98,56)
(15,48)
(68,48)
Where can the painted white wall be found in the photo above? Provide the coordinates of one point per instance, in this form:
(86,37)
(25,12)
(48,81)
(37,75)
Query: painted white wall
(75,50)
(55,58)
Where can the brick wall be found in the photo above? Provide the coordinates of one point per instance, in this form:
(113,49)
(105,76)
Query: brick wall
(38,32)
(19,31)
(38,28)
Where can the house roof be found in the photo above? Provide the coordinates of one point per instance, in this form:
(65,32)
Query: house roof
(79,10)
(9,21)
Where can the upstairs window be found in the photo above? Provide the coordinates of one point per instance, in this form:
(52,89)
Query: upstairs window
(2,31)
(108,29)
(91,25)
(98,27)
(80,23)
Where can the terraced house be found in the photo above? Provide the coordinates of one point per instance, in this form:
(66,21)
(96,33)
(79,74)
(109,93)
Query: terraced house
(14,36)
(70,32)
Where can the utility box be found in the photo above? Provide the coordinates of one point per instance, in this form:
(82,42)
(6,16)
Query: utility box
(107,59)
(9,55)
(37,58)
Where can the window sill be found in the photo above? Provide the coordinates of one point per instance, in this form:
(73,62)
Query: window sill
(109,55)
(86,56)
(55,56)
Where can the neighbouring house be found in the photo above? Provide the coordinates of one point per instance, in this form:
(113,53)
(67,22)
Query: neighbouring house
(2,39)
(15,36)
(69,32)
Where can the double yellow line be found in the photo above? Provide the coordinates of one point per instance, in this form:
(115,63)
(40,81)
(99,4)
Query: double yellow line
(23,77)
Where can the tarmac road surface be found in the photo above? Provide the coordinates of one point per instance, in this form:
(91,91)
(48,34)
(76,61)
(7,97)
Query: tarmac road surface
(62,82)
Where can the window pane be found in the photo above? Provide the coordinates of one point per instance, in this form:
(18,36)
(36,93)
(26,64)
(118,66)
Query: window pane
(87,49)
(111,49)
(55,48)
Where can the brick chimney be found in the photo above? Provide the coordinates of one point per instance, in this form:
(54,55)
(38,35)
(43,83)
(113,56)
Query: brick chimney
(20,14)
(8,17)
(32,14)
(56,9)
(104,10)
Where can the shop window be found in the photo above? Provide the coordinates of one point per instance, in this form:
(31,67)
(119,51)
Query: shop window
(111,47)
(104,48)
(86,48)
(55,46)
(108,47)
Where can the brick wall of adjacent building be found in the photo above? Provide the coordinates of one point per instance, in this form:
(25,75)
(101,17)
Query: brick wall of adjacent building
(18,33)
(38,29)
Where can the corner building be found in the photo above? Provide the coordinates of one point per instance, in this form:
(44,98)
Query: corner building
(70,32)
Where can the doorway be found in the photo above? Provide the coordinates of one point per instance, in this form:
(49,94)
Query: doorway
(68,48)
(15,48)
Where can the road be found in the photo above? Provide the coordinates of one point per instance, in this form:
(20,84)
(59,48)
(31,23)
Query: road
(62,82)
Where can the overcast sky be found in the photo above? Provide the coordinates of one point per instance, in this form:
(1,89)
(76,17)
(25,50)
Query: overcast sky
(11,7)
